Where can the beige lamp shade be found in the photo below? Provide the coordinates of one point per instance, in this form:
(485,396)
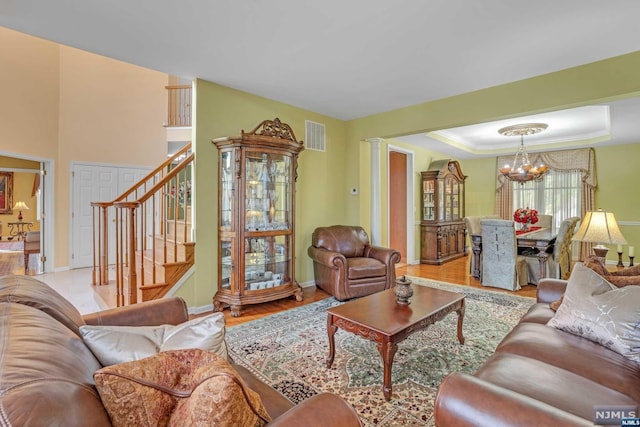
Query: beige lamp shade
(600,227)
(20,206)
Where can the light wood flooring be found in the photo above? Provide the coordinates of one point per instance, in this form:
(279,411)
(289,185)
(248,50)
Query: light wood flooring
(455,272)
(13,263)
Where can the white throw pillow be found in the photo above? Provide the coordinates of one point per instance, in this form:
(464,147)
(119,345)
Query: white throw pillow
(596,310)
(119,344)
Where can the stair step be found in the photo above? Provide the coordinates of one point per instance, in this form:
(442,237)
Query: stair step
(179,230)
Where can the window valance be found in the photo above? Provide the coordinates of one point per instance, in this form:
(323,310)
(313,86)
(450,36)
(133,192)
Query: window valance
(582,160)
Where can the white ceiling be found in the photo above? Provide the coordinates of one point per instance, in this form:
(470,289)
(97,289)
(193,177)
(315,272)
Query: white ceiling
(345,59)
(604,124)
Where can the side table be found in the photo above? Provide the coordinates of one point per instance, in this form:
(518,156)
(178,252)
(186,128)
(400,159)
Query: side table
(19,229)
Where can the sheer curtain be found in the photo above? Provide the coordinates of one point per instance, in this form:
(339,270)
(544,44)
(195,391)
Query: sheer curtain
(567,189)
(558,194)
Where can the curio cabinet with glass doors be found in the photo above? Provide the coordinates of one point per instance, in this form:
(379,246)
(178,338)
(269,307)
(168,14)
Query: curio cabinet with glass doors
(256,219)
(442,228)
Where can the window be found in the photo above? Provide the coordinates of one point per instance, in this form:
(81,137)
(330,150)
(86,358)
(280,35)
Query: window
(558,194)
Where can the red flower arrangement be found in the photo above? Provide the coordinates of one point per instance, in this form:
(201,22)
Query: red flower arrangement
(525,216)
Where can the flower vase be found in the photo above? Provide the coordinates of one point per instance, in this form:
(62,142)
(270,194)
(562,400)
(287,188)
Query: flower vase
(526,226)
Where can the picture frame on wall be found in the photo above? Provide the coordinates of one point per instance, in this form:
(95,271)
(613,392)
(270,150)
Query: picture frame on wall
(6,192)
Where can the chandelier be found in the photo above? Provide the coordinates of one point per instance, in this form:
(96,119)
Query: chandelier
(522,170)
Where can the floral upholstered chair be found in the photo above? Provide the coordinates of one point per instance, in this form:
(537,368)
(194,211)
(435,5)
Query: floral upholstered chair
(502,267)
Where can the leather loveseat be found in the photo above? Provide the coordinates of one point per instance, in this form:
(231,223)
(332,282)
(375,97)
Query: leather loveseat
(539,376)
(46,370)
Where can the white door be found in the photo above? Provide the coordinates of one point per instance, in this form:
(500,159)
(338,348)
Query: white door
(91,183)
(128,177)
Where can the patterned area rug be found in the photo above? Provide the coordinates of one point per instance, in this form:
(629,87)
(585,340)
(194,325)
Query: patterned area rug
(288,350)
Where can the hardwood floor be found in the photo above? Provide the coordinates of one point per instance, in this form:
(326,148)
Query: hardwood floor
(13,263)
(455,272)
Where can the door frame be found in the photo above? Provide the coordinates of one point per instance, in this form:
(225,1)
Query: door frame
(47,212)
(412,225)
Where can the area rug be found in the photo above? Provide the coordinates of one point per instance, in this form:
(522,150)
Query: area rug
(288,351)
(11,246)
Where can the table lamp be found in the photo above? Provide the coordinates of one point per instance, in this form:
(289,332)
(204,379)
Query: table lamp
(20,206)
(600,227)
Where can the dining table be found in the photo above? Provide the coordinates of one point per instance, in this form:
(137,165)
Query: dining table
(540,239)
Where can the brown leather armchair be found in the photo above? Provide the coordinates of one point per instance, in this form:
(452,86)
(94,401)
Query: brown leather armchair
(347,266)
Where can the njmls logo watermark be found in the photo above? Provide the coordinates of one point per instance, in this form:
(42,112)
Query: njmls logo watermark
(618,415)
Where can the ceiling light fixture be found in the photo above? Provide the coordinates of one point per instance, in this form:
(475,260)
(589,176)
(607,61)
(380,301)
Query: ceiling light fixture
(522,169)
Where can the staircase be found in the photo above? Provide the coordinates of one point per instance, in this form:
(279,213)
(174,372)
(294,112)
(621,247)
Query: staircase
(144,235)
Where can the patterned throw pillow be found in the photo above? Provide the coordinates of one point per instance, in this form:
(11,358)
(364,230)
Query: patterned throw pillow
(178,388)
(554,305)
(625,277)
(598,311)
(119,344)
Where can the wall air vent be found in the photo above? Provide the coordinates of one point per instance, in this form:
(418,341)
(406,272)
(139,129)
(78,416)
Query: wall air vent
(314,135)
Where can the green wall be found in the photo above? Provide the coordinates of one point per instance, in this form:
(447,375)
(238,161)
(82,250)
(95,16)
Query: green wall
(325,178)
(618,177)
(615,78)
(481,179)
(321,190)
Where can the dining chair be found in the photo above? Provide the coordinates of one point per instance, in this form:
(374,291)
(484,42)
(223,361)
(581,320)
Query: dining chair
(502,267)
(545,221)
(559,260)
(473,227)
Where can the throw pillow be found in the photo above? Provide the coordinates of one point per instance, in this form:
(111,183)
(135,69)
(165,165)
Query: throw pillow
(625,277)
(594,263)
(119,344)
(554,305)
(596,310)
(178,388)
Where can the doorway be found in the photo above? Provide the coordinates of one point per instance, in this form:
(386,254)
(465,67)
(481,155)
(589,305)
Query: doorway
(44,192)
(400,203)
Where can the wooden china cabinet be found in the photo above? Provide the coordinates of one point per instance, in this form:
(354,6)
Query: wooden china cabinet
(256,218)
(442,228)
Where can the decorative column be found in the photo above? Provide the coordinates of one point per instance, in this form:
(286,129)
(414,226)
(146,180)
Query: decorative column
(376,222)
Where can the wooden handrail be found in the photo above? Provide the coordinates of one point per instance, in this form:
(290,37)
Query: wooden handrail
(100,273)
(161,205)
(161,168)
(163,181)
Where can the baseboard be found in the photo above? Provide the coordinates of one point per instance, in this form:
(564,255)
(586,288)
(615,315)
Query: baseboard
(202,309)
(209,307)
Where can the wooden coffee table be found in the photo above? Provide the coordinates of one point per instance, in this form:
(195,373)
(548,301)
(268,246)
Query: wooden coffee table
(380,319)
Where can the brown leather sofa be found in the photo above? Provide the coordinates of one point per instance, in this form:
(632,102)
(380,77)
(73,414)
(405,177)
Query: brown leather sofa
(347,266)
(46,371)
(539,376)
